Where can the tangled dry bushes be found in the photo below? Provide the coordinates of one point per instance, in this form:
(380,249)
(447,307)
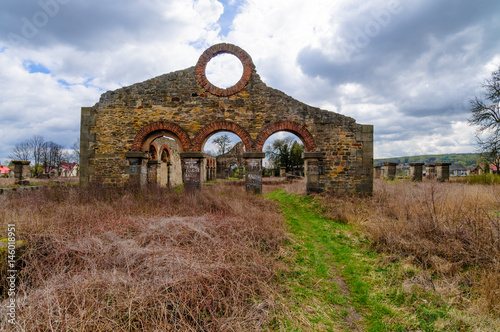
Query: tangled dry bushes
(450,230)
(148,260)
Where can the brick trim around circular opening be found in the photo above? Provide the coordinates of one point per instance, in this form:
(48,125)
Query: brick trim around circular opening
(212,52)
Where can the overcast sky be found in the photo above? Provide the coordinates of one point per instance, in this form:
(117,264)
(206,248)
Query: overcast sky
(407,67)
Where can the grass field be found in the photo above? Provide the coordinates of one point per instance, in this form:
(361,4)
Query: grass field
(414,257)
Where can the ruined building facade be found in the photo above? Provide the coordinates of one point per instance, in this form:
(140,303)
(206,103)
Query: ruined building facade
(128,136)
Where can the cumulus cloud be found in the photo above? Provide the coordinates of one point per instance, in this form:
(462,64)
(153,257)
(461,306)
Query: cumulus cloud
(408,67)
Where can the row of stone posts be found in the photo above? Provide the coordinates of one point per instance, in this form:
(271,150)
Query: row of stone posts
(439,171)
(192,168)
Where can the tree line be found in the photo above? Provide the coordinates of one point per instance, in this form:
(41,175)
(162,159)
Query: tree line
(44,154)
(285,153)
(282,153)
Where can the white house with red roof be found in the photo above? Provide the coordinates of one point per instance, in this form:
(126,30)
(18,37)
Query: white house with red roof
(68,169)
(4,170)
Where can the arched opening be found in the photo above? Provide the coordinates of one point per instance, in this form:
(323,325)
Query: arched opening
(227,149)
(153,151)
(284,152)
(155,155)
(292,127)
(164,164)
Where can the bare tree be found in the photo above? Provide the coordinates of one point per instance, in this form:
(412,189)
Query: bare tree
(485,113)
(490,151)
(223,144)
(37,145)
(52,154)
(21,151)
(75,156)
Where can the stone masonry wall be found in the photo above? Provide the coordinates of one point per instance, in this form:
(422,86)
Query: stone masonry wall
(177,105)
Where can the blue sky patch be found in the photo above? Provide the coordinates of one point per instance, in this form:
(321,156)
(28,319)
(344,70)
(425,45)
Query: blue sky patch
(35,67)
(226,19)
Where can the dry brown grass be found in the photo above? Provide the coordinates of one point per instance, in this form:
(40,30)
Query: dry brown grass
(151,260)
(5,182)
(450,230)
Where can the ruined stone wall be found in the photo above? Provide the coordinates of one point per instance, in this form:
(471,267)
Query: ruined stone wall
(176,104)
(233,156)
(173,171)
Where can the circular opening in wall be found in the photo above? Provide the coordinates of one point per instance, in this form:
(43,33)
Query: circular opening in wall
(224,70)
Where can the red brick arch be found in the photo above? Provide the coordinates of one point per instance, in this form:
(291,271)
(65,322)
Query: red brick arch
(163,148)
(205,132)
(161,125)
(293,127)
(155,156)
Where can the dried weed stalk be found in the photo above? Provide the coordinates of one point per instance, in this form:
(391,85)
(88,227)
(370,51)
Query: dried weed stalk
(103,259)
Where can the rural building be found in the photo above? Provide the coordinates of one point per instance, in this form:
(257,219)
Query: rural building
(458,170)
(68,169)
(4,170)
(118,132)
(477,170)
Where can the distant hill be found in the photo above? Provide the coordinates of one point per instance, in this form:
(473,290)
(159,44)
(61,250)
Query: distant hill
(466,159)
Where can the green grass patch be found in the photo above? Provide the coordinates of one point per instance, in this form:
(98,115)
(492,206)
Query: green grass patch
(335,281)
(488,179)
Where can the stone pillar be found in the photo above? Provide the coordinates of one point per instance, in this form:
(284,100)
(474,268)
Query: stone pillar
(192,166)
(377,172)
(390,170)
(154,171)
(22,172)
(253,176)
(313,168)
(430,171)
(137,167)
(443,171)
(169,174)
(416,171)
(282,172)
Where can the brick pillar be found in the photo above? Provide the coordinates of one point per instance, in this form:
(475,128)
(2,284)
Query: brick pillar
(192,166)
(154,171)
(253,176)
(443,171)
(390,170)
(377,172)
(416,171)
(137,167)
(22,172)
(313,168)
